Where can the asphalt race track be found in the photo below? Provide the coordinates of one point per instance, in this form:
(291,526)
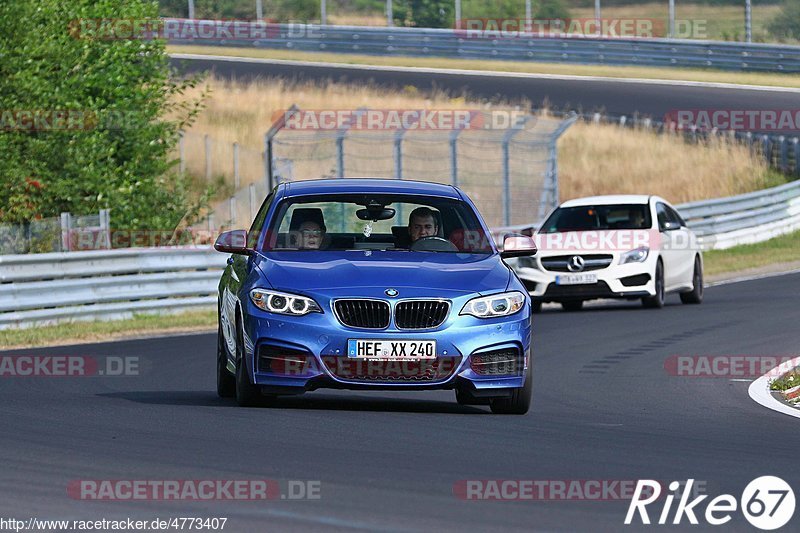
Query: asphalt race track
(604,408)
(612,97)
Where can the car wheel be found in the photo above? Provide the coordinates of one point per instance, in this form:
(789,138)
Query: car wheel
(518,403)
(695,296)
(536,307)
(226,382)
(656,301)
(572,305)
(247,394)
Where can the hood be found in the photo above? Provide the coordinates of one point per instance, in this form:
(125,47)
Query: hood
(337,270)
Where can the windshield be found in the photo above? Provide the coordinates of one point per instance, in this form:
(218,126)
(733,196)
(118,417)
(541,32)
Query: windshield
(401,223)
(597,217)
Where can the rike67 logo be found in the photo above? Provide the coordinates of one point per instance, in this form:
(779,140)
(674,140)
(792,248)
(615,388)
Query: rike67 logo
(767,503)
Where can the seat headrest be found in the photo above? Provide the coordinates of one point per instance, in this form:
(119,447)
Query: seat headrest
(306,214)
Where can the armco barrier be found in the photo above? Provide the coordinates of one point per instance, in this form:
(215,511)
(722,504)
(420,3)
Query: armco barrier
(55,287)
(449,43)
(746,218)
(48,288)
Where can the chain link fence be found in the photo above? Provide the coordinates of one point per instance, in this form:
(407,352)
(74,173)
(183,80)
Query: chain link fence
(508,166)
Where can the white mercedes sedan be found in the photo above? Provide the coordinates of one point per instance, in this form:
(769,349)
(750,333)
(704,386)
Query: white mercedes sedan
(622,246)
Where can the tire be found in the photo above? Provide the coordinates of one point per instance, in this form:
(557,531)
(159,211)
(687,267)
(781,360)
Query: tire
(656,301)
(518,403)
(247,394)
(695,296)
(536,307)
(572,305)
(226,382)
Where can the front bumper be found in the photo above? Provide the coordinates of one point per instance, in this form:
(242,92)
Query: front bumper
(309,352)
(633,280)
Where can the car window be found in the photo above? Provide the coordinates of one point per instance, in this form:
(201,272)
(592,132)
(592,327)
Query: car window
(663,215)
(675,217)
(376,222)
(258,221)
(597,217)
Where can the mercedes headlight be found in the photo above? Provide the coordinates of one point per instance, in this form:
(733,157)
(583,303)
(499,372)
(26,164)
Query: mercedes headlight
(503,304)
(283,303)
(639,255)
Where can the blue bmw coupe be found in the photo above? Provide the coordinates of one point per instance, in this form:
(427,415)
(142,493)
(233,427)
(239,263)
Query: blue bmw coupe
(373,284)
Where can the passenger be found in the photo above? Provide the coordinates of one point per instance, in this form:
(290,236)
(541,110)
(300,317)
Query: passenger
(311,235)
(422,222)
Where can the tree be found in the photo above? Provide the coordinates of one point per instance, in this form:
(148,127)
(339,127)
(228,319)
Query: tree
(104,125)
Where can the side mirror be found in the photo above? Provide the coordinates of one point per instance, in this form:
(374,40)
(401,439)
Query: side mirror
(670,226)
(515,245)
(233,242)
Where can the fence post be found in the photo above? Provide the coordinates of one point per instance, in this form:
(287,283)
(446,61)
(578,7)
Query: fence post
(208,157)
(796,143)
(232,209)
(398,153)
(507,136)
(182,152)
(252,191)
(236,166)
(783,150)
(267,155)
(766,144)
(454,156)
(66,232)
(105,226)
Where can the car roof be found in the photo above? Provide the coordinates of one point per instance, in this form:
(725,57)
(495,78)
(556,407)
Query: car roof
(369,186)
(608,200)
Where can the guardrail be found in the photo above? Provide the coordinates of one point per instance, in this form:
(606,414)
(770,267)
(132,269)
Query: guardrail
(451,43)
(746,218)
(39,289)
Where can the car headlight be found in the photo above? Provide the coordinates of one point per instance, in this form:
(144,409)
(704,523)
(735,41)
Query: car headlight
(639,255)
(283,303)
(503,304)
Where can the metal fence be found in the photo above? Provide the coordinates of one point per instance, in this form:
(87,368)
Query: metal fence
(65,233)
(450,43)
(781,152)
(510,172)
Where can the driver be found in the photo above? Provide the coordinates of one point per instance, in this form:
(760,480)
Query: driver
(422,223)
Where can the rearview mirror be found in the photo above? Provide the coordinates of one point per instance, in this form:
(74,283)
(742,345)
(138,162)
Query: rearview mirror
(233,242)
(515,245)
(375,214)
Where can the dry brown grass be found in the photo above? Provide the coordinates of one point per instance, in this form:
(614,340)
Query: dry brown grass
(607,159)
(593,158)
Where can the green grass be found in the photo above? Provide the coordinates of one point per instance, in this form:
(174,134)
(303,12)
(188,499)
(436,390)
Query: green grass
(783,249)
(78,332)
(675,74)
(786,381)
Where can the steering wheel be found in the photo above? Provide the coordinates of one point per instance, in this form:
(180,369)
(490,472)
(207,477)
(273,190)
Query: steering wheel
(433,243)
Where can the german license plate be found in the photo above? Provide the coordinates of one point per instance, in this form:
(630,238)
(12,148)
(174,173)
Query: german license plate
(576,279)
(390,349)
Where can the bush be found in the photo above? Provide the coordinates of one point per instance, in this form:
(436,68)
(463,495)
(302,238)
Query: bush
(116,153)
(786,24)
